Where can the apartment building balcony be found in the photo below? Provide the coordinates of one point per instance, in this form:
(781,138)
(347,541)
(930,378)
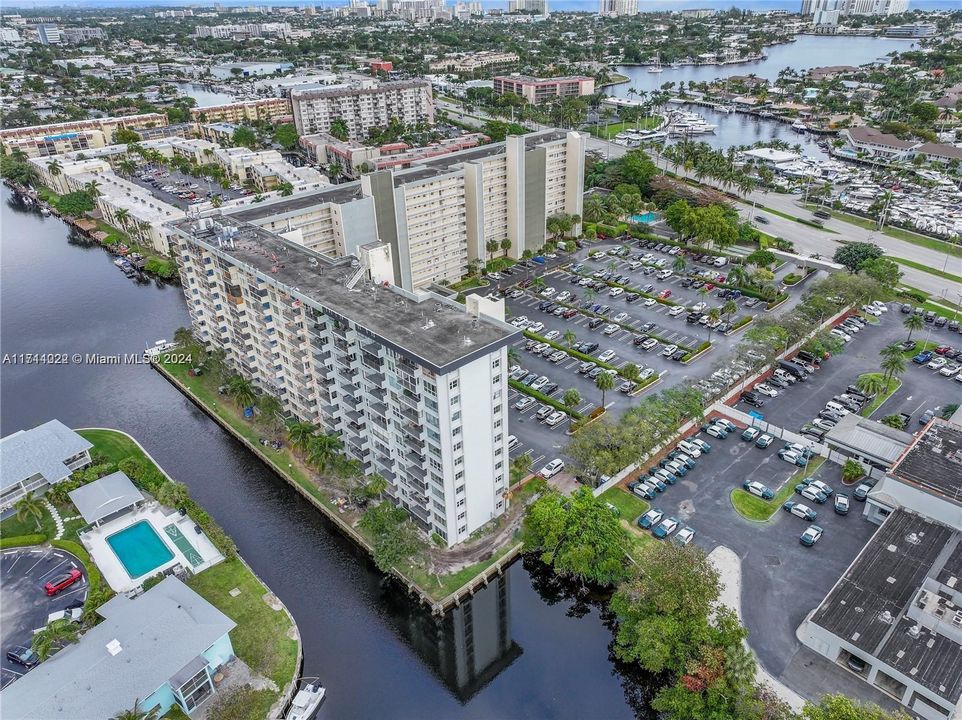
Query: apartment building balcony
(341,345)
(410,400)
(414,458)
(350,400)
(378,408)
(369,346)
(377,391)
(370,361)
(354,423)
(376,379)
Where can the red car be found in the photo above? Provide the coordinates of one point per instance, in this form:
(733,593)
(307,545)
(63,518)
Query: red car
(664,294)
(942,349)
(709,287)
(62,582)
(569,313)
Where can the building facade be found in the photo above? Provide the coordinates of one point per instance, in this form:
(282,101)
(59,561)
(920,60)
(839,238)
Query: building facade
(41,140)
(33,460)
(541,90)
(414,385)
(362,108)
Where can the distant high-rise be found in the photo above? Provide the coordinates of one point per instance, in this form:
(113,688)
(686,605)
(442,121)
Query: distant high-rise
(616,8)
(537,7)
(855,7)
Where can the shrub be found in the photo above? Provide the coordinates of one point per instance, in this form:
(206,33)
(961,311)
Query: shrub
(791,279)
(164,268)
(22,541)
(852,470)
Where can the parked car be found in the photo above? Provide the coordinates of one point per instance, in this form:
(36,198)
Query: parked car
(552,469)
(799,510)
(23,656)
(650,519)
(756,488)
(841,504)
(764,441)
(810,493)
(750,433)
(684,536)
(524,403)
(666,527)
(62,582)
(554,418)
(810,536)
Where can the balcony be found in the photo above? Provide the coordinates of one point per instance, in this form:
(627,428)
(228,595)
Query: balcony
(411,402)
(410,414)
(414,458)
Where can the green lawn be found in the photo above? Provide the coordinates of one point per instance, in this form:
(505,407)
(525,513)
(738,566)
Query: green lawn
(467,283)
(261,636)
(930,270)
(629,505)
(612,129)
(930,345)
(113,445)
(754,508)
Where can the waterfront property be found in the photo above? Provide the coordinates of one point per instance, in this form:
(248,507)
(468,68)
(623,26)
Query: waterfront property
(414,384)
(33,460)
(132,539)
(162,648)
(542,90)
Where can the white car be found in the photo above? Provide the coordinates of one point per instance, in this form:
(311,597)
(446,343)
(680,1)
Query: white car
(676,311)
(646,373)
(558,356)
(937,363)
(664,274)
(548,292)
(606,355)
(649,344)
(611,329)
(563,295)
(74,615)
(620,317)
(552,334)
(950,369)
(512,442)
(650,302)
(536,327)
(766,389)
(554,418)
(690,448)
(823,424)
(524,403)
(584,282)
(684,536)
(615,291)
(699,307)
(871,310)
(842,334)
(540,383)
(791,457)
(516,293)
(879,305)
(669,350)
(519,320)
(551,469)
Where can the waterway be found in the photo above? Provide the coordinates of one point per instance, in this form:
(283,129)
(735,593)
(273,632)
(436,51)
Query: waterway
(204,95)
(806,52)
(524,648)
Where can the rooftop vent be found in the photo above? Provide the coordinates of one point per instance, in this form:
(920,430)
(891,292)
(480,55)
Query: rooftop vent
(114,647)
(913,539)
(915,631)
(886,617)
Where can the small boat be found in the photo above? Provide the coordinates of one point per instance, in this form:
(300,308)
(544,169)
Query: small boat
(307,701)
(120,262)
(725,108)
(159,347)
(799,126)
(656,68)
(44,210)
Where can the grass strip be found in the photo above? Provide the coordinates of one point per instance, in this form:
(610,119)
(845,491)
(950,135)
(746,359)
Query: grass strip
(926,269)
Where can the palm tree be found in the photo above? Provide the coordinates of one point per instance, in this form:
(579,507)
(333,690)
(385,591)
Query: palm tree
(299,434)
(714,314)
(492,247)
(376,486)
(54,167)
(241,390)
(631,372)
(127,166)
(30,506)
(135,713)
(893,421)
(53,637)
(271,409)
(913,322)
(737,275)
(729,308)
(505,246)
(679,265)
(871,383)
(322,450)
(538,283)
(285,189)
(893,365)
(91,188)
(122,216)
(604,382)
(569,338)
(571,398)
(891,350)
(594,208)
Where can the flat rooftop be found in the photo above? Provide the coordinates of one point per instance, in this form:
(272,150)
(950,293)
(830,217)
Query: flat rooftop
(934,462)
(870,437)
(339,194)
(427,328)
(869,605)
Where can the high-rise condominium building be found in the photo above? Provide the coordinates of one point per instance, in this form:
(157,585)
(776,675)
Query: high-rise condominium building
(362,108)
(537,7)
(858,7)
(615,8)
(414,384)
(441,212)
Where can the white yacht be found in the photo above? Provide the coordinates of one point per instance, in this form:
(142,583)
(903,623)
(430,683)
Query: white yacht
(307,701)
(656,68)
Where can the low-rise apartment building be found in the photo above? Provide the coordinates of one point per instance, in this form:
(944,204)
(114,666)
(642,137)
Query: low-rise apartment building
(541,90)
(265,109)
(362,108)
(439,214)
(33,460)
(56,138)
(414,384)
(469,63)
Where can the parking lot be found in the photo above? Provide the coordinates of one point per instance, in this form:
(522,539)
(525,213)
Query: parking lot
(922,388)
(24,607)
(782,579)
(169,177)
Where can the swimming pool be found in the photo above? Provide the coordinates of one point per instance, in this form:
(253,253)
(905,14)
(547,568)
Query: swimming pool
(648,217)
(139,549)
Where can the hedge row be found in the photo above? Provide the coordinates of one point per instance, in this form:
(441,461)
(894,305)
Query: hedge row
(22,540)
(732,257)
(541,397)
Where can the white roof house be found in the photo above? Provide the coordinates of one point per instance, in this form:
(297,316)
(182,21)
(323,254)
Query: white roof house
(160,648)
(32,460)
(107,496)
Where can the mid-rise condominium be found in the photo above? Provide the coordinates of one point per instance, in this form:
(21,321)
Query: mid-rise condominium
(440,213)
(363,107)
(414,384)
(541,90)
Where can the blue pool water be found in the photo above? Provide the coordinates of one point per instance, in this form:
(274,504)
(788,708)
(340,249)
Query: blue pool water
(648,217)
(139,549)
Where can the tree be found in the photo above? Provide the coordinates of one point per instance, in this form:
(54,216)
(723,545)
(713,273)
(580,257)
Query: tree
(375,487)
(577,536)
(54,167)
(75,203)
(286,136)
(520,467)
(893,421)
(125,136)
(852,255)
(761,258)
(323,450)
(339,129)
(285,189)
(729,308)
(604,382)
(127,166)
(571,398)
(663,611)
(244,137)
(852,470)
(631,372)
(92,189)
(505,245)
(396,539)
(913,322)
(271,409)
(883,270)
(892,365)
(299,434)
(492,247)
(54,636)
(679,265)
(839,707)
(871,383)
(122,216)
(241,390)
(30,506)
(136,713)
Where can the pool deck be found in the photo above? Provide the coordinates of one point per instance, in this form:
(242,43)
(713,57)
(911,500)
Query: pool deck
(159,517)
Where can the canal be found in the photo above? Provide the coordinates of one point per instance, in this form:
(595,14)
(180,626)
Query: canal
(524,647)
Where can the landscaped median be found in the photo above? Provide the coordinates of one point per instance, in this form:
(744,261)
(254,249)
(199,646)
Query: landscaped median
(751,507)
(892,385)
